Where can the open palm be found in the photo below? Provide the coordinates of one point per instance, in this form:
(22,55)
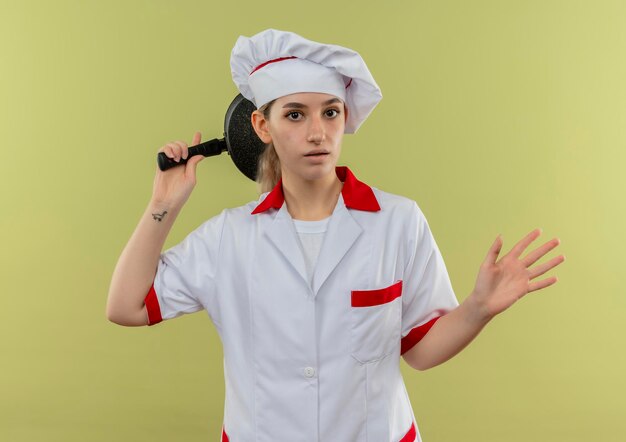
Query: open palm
(501,283)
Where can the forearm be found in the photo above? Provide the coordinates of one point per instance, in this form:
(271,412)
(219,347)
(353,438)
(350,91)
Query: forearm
(136,267)
(448,336)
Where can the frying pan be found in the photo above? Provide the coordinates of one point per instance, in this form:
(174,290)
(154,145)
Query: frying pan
(240,141)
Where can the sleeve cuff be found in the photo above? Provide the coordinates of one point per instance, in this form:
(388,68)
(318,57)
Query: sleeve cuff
(416,335)
(152,306)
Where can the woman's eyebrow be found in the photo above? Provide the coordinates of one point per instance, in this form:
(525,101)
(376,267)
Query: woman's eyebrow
(304,106)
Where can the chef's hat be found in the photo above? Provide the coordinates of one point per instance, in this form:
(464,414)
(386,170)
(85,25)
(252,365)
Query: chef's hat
(275,63)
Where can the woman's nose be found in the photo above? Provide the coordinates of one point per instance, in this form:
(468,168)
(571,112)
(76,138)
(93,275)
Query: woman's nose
(317,134)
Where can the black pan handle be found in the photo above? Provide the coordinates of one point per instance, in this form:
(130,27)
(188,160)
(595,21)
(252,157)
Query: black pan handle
(208,149)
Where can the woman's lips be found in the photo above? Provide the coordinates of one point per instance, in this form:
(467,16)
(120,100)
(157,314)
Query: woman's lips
(318,156)
(316,151)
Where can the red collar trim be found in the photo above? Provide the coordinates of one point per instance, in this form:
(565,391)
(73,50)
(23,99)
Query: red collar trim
(356,194)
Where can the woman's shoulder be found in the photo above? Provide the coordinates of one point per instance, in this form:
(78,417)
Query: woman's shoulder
(242,213)
(394,202)
(230,215)
(244,209)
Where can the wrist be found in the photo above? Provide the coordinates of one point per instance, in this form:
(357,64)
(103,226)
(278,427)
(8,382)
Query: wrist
(477,310)
(161,205)
(162,210)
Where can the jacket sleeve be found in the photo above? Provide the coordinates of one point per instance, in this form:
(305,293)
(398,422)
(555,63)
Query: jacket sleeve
(427,292)
(185,280)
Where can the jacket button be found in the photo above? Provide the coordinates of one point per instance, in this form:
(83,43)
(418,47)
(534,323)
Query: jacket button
(309,372)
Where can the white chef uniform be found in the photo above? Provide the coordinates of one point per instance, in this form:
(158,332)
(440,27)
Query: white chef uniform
(312,360)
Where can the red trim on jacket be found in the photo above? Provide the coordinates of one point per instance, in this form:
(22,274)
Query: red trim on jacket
(356,194)
(416,335)
(152,306)
(224,435)
(410,435)
(368,298)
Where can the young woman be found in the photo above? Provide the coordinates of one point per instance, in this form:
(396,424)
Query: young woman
(318,287)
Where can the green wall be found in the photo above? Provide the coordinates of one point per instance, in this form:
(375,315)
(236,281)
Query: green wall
(497,117)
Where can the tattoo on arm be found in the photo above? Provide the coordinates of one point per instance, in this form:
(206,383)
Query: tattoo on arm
(159,216)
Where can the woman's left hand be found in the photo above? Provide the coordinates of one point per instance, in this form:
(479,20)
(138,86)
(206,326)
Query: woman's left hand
(500,284)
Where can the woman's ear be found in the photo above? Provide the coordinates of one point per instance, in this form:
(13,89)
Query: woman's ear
(260,126)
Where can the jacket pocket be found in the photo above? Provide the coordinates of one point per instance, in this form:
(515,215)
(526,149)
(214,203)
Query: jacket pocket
(376,317)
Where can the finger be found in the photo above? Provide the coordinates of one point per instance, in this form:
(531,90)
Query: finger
(517,250)
(169,151)
(183,149)
(536,254)
(542,284)
(494,251)
(543,268)
(190,168)
(196,139)
(175,149)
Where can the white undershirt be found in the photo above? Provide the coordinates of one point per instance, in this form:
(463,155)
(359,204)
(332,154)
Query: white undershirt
(311,234)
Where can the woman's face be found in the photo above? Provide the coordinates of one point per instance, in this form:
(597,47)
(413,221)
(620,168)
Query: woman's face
(300,124)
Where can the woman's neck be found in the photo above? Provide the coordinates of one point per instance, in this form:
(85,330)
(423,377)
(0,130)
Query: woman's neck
(311,200)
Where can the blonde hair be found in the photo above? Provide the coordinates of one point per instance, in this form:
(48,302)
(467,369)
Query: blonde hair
(268,171)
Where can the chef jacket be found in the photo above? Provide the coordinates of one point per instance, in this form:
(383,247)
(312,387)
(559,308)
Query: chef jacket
(311,361)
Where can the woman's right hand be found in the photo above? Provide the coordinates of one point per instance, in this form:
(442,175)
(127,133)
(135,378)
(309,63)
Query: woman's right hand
(172,187)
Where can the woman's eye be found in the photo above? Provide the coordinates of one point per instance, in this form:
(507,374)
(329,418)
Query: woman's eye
(293,115)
